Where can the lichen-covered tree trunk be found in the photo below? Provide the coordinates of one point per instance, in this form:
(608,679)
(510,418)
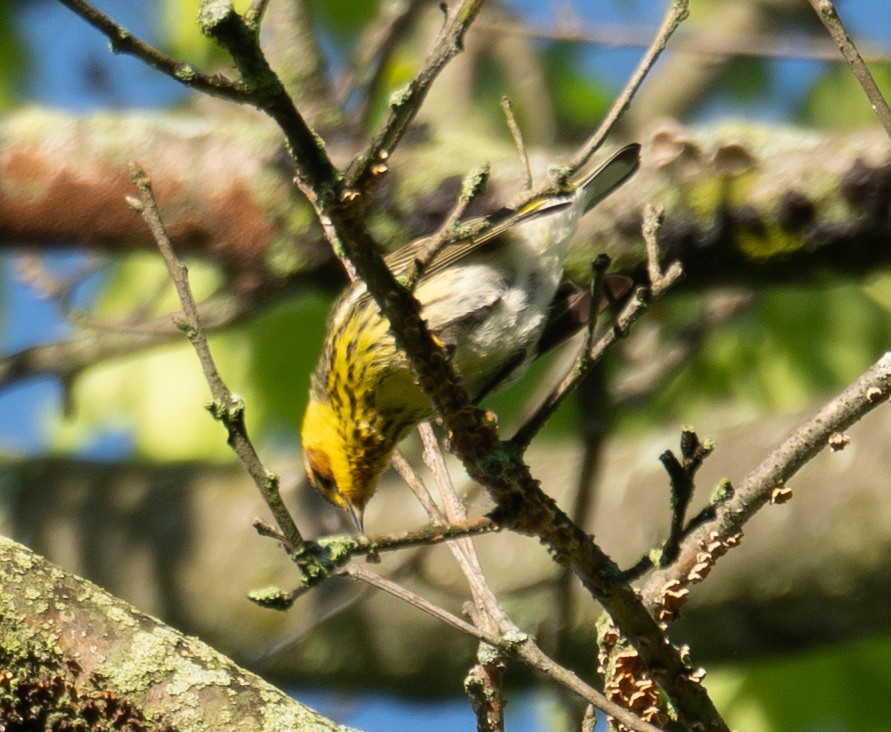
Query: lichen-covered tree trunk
(71,651)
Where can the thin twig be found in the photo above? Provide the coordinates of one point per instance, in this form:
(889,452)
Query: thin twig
(592,353)
(472,186)
(416,485)
(463,550)
(827,13)
(225,406)
(660,279)
(676,14)
(538,659)
(435,462)
(425,536)
(652,222)
(484,682)
(415,600)
(404,105)
(517,134)
(761,45)
(520,644)
(489,613)
(681,475)
(122,41)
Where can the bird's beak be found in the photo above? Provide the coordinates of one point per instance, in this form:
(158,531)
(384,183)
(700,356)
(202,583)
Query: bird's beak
(357,513)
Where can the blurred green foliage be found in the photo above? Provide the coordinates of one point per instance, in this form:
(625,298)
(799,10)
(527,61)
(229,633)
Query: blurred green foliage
(829,689)
(796,343)
(284,344)
(836,100)
(158,397)
(13,59)
(577,97)
(746,78)
(343,20)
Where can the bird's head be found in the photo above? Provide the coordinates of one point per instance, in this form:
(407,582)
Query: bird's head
(343,461)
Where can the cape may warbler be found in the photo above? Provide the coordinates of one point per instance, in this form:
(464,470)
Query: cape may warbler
(490,297)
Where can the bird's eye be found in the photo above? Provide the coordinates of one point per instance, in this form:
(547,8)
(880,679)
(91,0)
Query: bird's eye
(324,482)
(320,474)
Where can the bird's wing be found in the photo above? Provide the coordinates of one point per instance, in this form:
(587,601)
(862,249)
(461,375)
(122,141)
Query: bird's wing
(470,237)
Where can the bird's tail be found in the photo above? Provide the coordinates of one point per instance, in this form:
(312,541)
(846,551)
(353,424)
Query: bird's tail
(609,176)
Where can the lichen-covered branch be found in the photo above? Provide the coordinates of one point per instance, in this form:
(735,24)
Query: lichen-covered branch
(666,591)
(404,106)
(123,41)
(75,642)
(743,203)
(225,406)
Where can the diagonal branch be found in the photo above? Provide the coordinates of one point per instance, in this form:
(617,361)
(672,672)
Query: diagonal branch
(677,13)
(225,406)
(702,547)
(825,10)
(217,19)
(123,41)
(404,105)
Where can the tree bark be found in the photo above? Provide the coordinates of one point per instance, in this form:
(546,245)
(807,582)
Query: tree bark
(93,657)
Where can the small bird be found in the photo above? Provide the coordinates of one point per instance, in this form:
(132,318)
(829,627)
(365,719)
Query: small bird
(493,298)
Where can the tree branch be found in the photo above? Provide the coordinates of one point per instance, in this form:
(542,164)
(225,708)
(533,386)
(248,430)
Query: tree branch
(676,14)
(225,406)
(72,630)
(825,10)
(122,41)
(405,104)
(666,590)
